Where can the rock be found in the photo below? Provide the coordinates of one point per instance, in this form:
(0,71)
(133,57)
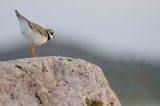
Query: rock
(54,81)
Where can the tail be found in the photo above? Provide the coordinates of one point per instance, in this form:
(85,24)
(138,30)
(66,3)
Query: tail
(20,16)
(24,23)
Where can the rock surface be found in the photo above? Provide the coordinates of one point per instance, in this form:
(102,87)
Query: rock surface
(53,81)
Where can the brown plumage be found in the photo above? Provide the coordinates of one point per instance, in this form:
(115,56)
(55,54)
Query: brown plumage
(38,28)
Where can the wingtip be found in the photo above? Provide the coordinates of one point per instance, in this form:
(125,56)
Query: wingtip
(16,11)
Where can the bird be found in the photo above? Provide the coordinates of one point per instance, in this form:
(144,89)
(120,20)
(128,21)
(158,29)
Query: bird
(36,34)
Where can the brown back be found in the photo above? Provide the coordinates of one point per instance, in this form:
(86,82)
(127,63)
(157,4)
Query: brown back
(38,28)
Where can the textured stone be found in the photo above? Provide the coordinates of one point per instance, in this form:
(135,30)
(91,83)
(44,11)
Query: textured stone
(53,81)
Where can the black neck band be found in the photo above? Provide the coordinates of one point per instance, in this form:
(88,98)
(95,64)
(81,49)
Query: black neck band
(48,37)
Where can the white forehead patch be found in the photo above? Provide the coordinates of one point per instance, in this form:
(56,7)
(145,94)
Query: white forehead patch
(50,36)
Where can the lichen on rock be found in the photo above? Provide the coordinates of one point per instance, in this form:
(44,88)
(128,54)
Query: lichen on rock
(91,102)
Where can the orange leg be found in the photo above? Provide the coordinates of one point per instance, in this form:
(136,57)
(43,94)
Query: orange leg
(33,50)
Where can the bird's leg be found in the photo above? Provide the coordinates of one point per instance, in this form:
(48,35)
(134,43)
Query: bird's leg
(33,50)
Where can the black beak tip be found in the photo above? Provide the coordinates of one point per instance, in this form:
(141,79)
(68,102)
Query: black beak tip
(54,36)
(16,11)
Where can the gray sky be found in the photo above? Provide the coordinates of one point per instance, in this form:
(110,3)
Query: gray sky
(119,27)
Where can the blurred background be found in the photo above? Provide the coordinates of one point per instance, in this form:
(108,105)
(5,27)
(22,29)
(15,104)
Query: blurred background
(120,36)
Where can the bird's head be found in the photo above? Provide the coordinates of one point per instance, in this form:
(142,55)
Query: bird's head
(51,33)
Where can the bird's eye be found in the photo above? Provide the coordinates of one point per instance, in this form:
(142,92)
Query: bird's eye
(51,32)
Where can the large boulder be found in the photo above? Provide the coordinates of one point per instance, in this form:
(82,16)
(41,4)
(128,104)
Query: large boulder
(54,81)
